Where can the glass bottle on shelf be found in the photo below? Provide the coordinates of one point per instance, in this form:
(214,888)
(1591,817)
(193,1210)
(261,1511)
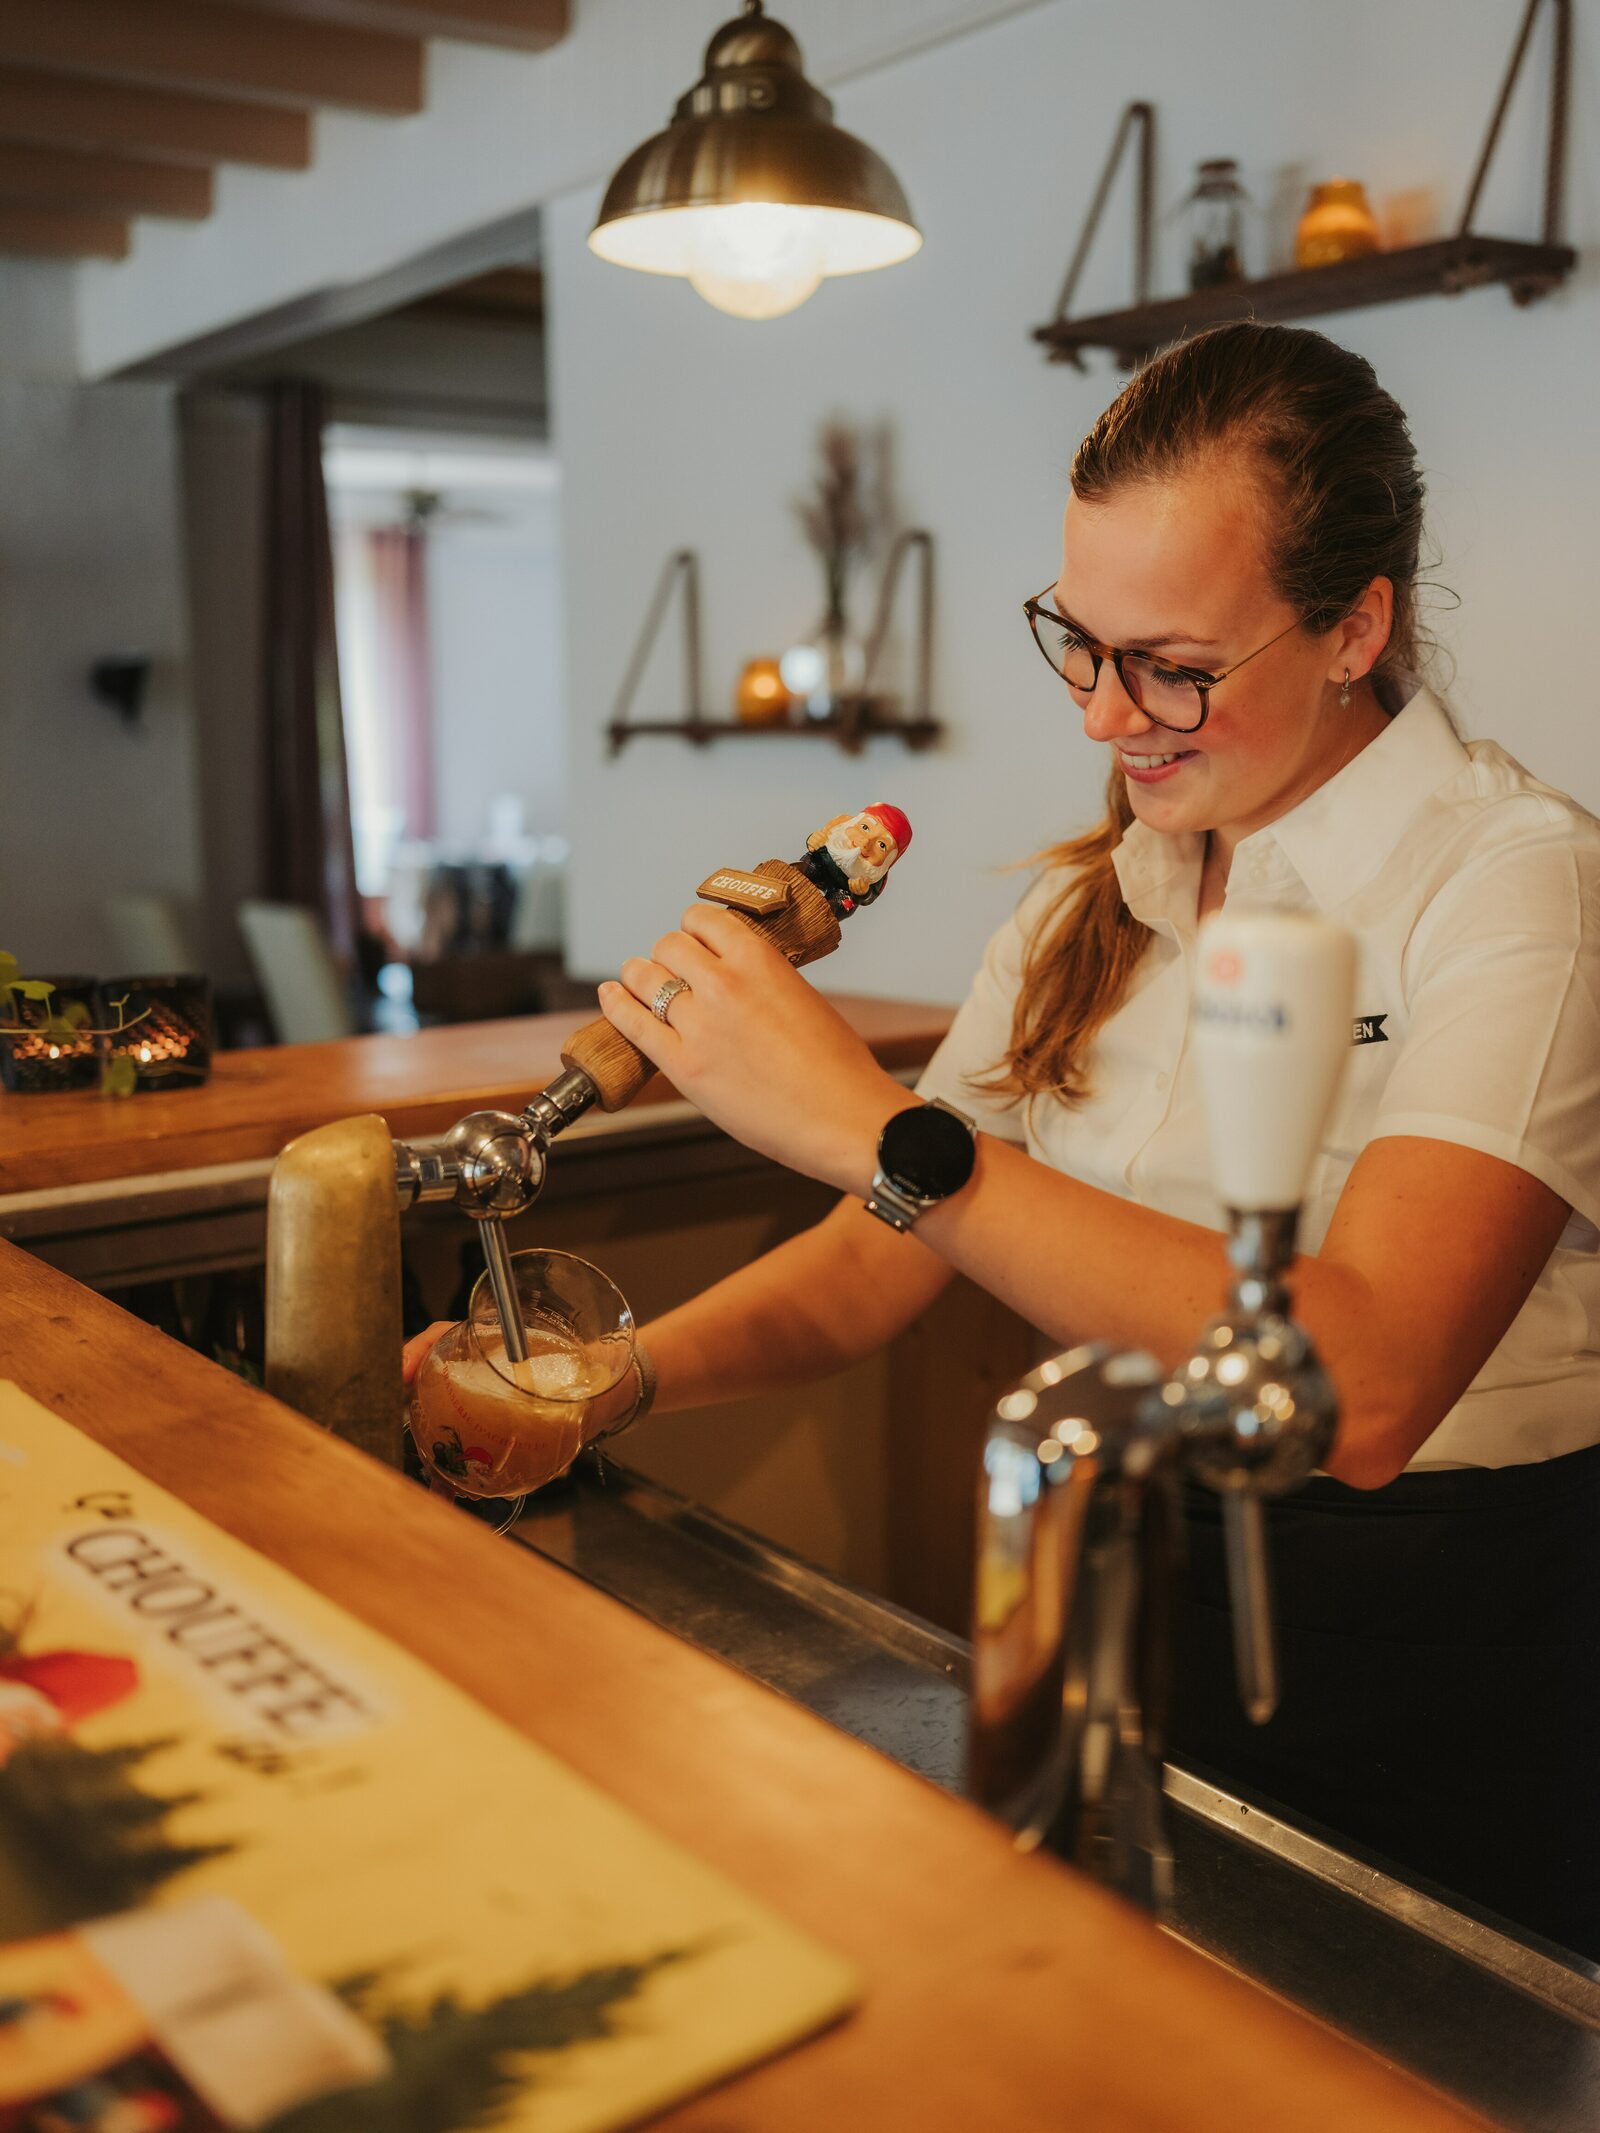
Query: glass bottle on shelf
(1214,225)
(1338,224)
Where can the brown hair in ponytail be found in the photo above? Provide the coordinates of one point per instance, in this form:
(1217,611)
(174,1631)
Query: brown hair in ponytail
(1344,491)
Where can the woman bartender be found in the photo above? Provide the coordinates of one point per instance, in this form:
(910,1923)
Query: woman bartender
(1234,619)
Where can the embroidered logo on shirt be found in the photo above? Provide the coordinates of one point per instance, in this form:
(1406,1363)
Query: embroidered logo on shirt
(1369,1029)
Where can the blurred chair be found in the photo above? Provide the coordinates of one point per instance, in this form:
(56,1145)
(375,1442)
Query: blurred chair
(538,921)
(151,939)
(305,993)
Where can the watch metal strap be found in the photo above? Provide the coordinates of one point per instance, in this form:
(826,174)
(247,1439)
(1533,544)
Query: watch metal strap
(900,1210)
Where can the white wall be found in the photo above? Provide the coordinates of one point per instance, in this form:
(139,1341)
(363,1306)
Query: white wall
(89,566)
(675,425)
(494,623)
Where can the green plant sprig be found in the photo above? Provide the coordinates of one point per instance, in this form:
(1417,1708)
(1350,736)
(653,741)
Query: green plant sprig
(73,1020)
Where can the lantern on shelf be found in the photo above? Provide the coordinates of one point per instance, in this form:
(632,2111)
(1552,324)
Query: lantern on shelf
(166,1042)
(762,697)
(1338,224)
(45,1057)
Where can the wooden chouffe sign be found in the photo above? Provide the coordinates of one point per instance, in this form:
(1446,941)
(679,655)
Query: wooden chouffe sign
(798,908)
(258,1867)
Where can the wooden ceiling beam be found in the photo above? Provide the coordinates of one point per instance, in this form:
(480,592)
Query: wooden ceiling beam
(525,25)
(48,233)
(511,296)
(59,177)
(194,44)
(58,110)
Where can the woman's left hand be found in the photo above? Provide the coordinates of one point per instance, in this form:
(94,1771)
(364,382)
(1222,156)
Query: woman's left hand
(761,1053)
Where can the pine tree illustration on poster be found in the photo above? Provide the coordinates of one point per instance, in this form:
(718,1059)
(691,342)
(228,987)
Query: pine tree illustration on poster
(458,2068)
(80,1839)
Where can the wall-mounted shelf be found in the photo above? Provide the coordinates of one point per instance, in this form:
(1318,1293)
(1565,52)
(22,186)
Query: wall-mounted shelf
(866,719)
(1443,267)
(865,714)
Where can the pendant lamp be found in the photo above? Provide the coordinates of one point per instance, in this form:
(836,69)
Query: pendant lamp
(753,192)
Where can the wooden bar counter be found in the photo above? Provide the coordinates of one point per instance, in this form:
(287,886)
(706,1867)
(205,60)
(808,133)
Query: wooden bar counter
(1001,1992)
(256,1101)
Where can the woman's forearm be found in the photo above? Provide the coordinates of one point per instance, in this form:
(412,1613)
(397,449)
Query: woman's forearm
(1430,1255)
(812,1306)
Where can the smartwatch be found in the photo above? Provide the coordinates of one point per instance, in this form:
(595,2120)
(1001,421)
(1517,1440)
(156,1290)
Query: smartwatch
(924,1155)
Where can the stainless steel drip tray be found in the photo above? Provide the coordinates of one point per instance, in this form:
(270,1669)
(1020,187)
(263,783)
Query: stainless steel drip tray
(1506,2024)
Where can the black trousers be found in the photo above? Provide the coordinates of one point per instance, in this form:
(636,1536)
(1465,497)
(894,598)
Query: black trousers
(1439,1644)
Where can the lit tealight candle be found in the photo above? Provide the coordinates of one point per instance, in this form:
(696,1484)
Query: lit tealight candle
(762,698)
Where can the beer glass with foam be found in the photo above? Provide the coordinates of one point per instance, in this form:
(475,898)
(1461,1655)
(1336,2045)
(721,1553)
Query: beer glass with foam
(487,1426)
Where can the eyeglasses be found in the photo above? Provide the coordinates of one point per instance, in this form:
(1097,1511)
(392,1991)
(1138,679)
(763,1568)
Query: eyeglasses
(1171,696)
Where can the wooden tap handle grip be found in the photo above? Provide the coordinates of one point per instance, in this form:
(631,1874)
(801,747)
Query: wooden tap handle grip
(804,929)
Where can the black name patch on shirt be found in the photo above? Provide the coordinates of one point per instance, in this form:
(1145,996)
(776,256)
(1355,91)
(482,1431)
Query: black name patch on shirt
(1369,1029)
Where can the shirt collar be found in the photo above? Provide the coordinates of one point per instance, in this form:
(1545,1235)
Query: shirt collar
(1339,836)
(1159,875)
(1335,840)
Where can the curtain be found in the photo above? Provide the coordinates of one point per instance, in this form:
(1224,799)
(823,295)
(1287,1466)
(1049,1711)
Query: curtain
(310,858)
(398,557)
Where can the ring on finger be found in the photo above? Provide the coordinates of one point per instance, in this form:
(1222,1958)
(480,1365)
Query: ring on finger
(664,995)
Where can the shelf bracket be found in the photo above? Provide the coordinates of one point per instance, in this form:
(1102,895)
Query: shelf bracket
(1140,118)
(683,565)
(1555,167)
(920,539)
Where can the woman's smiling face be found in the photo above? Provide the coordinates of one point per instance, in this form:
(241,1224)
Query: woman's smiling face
(1177,567)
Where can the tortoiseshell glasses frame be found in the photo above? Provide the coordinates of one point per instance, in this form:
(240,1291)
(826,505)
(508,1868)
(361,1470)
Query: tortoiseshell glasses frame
(1184,693)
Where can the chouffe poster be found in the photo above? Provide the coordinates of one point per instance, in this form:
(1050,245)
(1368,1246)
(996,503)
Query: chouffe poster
(260,1868)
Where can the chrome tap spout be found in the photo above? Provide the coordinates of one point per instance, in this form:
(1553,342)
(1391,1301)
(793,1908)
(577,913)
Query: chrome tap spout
(1077,1524)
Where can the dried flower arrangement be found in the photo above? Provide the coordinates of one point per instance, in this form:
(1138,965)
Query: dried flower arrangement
(846,513)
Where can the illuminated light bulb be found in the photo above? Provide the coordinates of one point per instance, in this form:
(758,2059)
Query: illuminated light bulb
(756,259)
(144,1053)
(803,669)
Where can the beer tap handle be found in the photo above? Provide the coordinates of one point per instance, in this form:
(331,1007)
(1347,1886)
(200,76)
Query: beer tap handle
(1272,1011)
(798,908)
(1272,1031)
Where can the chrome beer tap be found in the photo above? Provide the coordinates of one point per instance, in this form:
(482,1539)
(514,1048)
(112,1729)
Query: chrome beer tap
(1079,1519)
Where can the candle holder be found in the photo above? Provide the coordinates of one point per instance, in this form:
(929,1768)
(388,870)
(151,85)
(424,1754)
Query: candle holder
(167,1041)
(43,1059)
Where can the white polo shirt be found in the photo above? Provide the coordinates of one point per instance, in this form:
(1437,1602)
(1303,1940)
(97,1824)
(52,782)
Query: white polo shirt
(1473,892)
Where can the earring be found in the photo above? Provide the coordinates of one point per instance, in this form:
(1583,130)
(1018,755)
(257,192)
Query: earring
(1344,693)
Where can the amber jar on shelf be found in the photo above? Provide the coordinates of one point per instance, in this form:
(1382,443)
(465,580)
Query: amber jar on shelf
(762,697)
(1338,224)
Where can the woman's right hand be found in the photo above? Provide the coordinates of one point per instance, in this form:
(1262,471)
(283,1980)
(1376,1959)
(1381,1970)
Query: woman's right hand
(420,1346)
(609,1408)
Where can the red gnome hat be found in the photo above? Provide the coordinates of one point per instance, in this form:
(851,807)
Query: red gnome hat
(894,822)
(77,1683)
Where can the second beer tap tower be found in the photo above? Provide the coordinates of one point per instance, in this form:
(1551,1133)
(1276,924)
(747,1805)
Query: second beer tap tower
(1079,1517)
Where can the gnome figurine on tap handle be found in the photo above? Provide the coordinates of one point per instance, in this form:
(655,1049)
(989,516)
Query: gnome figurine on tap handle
(492,1164)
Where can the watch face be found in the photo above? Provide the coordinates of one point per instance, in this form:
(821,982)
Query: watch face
(927,1152)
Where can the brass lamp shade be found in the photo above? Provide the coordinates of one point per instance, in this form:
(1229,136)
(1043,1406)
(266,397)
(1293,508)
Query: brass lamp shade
(753,184)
